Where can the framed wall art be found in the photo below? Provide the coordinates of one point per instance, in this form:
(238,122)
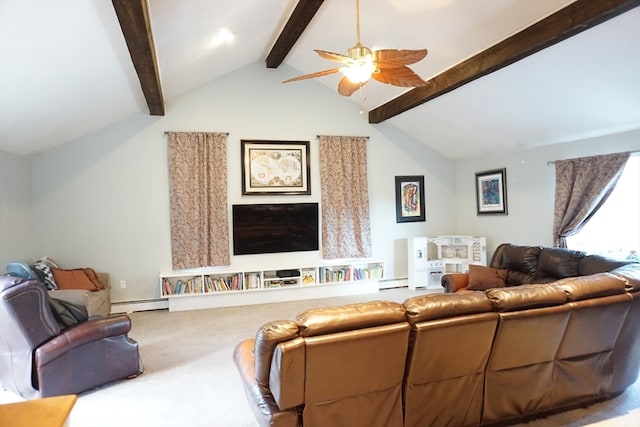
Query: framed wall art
(491,192)
(275,167)
(410,198)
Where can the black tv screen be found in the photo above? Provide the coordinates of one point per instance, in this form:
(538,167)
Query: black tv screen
(272,228)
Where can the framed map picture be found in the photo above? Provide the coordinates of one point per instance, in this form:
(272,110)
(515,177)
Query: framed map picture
(410,198)
(491,192)
(275,167)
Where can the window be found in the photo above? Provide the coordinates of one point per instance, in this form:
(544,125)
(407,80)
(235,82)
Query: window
(614,231)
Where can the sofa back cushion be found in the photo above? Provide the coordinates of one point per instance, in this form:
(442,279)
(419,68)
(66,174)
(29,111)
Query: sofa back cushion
(558,263)
(592,264)
(521,261)
(522,362)
(326,320)
(447,357)
(440,306)
(526,297)
(356,376)
(630,274)
(593,286)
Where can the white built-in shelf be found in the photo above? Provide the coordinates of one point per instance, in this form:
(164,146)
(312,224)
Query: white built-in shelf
(215,287)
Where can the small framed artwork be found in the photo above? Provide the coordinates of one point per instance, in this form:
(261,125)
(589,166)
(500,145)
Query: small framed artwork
(275,167)
(410,198)
(491,192)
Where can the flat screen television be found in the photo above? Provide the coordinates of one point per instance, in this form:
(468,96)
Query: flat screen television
(273,228)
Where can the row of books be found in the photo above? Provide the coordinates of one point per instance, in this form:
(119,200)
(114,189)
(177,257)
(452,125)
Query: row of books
(335,274)
(371,272)
(345,274)
(196,285)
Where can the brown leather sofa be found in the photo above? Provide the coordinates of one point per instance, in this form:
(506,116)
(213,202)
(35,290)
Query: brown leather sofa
(537,264)
(40,358)
(459,359)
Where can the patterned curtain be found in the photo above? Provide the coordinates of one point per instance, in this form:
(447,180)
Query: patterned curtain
(346,232)
(582,187)
(198,199)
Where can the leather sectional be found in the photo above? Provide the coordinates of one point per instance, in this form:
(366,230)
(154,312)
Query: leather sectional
(469,358)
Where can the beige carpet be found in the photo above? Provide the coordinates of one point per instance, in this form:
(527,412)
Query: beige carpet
(190,379)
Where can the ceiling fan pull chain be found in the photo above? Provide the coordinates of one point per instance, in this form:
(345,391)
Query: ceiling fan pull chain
(357,22)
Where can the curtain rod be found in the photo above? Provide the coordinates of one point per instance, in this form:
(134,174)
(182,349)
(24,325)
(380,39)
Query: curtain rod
(167,132)
(348,136)
(553,162)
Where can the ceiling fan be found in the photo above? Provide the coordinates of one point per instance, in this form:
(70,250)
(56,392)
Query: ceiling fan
(361,63)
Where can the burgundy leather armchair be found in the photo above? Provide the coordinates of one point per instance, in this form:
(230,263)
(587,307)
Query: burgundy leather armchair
(39,358)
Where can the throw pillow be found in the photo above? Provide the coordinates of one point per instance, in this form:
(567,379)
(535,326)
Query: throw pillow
(482,278)
(42,268)
(91,274)
(72,279)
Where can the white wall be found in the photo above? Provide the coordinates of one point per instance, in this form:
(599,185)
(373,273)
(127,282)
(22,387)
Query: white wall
(16,236)
(102,201)
(530,189)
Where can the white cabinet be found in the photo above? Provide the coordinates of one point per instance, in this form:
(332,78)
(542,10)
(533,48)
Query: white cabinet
(219,287)
(431,257)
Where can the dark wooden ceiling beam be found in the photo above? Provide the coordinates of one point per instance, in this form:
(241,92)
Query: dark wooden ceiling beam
(303,13)
(133,16)
(567,22)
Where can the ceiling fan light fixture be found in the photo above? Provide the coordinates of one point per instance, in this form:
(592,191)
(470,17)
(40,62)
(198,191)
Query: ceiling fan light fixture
(360,71)
(361,66)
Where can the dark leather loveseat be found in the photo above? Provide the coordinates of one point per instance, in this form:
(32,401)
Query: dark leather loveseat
(40,357)
(518,265)
(456,359)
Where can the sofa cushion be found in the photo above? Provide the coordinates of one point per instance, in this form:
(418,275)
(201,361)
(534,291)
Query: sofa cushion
(593,286)
(21,269)
(526,297)
(517,278)
(592,264)
(521,258)
(440,306)
(93,276)
(481,278)
(42,268)
(630,274)
(72,279)
(558,263)
(329,320)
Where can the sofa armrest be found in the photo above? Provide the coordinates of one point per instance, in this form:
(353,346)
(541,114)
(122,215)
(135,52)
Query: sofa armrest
(453,282)
(260,399)
(81,334)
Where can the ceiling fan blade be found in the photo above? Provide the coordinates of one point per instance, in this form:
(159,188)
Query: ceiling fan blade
(393,58)
(313,75)
(346,87)
(399,76)
(331,56)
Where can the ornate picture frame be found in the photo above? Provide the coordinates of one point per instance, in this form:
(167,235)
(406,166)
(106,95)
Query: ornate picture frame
(491,192)
(410,202)
(275,167)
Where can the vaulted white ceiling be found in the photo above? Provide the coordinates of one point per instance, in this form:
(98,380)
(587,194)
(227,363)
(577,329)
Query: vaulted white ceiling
(65,70)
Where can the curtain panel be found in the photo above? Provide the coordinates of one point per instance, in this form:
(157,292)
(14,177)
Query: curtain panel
(582,187)
(346,230)
(198,199)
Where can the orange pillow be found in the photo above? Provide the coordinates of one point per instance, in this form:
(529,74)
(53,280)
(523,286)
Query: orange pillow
(72,279)
(91,274)
(482,278)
